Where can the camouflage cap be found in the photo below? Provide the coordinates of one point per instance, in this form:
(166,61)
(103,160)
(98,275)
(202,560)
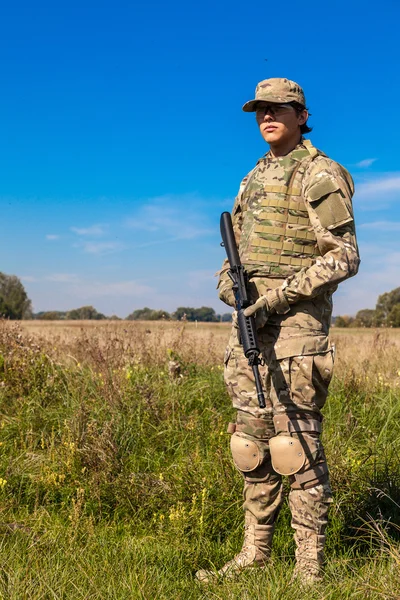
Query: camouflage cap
(276,89)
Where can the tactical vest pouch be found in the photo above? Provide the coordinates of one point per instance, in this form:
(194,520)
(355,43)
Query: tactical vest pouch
(327,200)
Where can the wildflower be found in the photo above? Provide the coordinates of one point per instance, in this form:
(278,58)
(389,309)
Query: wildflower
(3,483)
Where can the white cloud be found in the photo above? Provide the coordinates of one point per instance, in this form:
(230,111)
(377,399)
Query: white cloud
(62,277)
(101,248)
(92,230)
(383,188)
(382,226)
(367,162)
(156,243)
(53,277)
(181,217)
(95,289)
(52,236)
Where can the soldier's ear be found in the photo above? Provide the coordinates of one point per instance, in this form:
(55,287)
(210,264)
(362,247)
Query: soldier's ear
(303,116)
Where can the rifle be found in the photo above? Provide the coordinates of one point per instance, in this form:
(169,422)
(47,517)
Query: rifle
(247,325)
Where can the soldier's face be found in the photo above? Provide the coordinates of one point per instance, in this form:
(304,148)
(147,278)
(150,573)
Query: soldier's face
(279,123)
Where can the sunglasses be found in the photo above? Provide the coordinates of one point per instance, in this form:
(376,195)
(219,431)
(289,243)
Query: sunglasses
(275,110)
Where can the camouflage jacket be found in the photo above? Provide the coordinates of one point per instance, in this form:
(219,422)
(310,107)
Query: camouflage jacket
(300,304)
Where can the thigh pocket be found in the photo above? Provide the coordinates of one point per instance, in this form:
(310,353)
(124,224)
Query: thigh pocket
(323,367)
(301,386)
(310,377)
(322,376)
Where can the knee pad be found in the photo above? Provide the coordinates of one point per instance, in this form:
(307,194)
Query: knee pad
(287,454)
(246,453)
(296,448)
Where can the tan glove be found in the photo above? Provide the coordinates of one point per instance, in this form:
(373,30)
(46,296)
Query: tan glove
(273,301)
(262,302)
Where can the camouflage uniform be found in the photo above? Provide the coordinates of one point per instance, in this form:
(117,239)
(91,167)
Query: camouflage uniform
(294,228)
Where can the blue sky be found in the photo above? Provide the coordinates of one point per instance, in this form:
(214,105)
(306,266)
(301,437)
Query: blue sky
(123,139)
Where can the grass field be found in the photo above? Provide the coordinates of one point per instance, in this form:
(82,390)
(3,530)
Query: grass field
(116,481)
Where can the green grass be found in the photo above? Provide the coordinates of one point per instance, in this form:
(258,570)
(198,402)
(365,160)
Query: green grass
(116,482)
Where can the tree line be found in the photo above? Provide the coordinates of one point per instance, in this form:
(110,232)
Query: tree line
(385,314)
(183,313)
(15,305)
(89,313)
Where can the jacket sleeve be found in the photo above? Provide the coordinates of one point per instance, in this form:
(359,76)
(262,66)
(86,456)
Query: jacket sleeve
(224,285)
(327,191)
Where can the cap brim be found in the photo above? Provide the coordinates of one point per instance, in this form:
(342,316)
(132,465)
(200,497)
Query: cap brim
(251,105)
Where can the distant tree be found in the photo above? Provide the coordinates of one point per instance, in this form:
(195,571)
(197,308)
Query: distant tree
(205,313)
(148,314)
(184,312)
(159,315)
(226,317)
(343,321)
(366,317)
(14,301)
(51,315)
(339,322)
(85,313)
(385,304)
(393,319)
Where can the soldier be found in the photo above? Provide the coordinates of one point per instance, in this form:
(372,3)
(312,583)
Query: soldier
(294,228)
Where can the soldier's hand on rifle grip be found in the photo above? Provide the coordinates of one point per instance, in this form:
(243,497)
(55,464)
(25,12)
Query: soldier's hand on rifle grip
(262,302)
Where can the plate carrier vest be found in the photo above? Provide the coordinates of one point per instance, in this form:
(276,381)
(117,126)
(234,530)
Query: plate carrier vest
(277,238)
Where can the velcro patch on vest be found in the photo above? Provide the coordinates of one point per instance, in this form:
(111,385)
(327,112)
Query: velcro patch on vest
(322,188)
(284,203)
(284,246)
(282,189)
(292,232)
(277,259)
(298,249)
(297,220)
(270,229)
(332,211)
(327,200)
(284,218)
(272,216)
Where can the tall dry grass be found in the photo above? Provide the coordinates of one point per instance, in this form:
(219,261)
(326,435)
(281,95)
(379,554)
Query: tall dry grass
(116,480)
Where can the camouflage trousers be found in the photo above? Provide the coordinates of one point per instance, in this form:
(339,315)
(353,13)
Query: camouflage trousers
(295,388)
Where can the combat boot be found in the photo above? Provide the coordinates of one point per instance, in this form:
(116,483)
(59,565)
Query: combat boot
(309,557)
(256,551)
(310,509)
